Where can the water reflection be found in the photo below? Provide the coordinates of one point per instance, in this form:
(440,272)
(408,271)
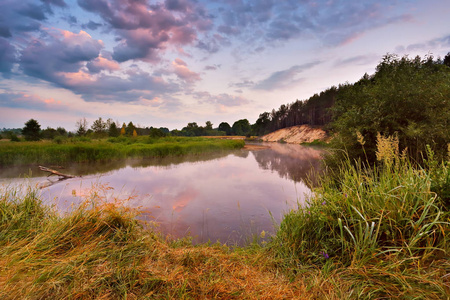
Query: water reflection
(295,162)
(224,196)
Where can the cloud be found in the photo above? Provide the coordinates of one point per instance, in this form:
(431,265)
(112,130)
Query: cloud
(101,63)
(221,99)
(182,71)
(283,78)
(62,51)
(358,60)
(7,57)
(21,16)
(91,25)
(442,43)
(212,67)
(146,30)
(332,22)
(59,3)
(243,84)
(30,102)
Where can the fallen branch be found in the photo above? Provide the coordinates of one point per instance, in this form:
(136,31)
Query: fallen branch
(53,172)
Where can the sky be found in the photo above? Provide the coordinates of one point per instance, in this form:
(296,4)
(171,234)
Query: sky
(168,63)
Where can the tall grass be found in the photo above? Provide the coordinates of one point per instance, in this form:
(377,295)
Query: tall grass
(104,150)
(384,228)
(100,251)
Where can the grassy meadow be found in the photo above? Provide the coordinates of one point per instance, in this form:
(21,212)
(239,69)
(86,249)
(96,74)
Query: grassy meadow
(69,150)
(379,232)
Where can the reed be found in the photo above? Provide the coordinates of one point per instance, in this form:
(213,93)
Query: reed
(382,228)
(77,150)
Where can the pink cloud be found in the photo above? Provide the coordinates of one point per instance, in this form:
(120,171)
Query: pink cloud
(182,71)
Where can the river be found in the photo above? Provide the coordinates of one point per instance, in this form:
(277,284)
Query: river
(229,196)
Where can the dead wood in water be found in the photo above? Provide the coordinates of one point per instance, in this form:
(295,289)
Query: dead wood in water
(54,172)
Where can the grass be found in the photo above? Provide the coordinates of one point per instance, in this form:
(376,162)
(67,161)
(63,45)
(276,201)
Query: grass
(368,233)
(101,251)
(383,231)
(85,150)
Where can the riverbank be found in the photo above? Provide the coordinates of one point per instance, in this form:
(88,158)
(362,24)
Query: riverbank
(368,233)
(86,150)
(297,135)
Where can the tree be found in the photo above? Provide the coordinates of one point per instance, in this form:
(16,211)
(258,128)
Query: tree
(113,131)
(31,131)
(447,60)
(99,127)
(405,97)
(81,126)
(123,129)
(209,125)
(129,129)
(49,133)
(224,126)
(135,133)
(241,127)
(61,131)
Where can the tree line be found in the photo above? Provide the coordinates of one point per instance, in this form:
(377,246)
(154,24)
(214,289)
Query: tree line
(102,128)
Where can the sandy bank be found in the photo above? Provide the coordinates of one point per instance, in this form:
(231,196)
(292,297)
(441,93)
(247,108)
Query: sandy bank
(296,135)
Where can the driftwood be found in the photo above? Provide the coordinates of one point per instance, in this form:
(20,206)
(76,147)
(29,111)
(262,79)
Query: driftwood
(54,172)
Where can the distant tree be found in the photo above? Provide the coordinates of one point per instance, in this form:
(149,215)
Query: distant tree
(447,60)
(99,127)
(81,126)
(155,133)
(192,129)
(225,127)
(129,129)
(61,131)
(241,127)
(135,133)
(31,131)
(123,129)
(49,133)
(209,125)
(113,131)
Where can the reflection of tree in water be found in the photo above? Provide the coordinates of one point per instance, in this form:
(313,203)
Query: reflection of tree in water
(103,167)
(291,161)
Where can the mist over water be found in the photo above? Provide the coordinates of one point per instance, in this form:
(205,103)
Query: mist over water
(226,196)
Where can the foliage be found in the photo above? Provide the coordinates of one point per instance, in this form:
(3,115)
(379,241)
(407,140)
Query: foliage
(81,127)
(224,126)
(379,226)
(31,131)
(241,127)
(113,131)
(313,111)
(406,97)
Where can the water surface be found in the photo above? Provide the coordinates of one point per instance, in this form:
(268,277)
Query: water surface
(227,196)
